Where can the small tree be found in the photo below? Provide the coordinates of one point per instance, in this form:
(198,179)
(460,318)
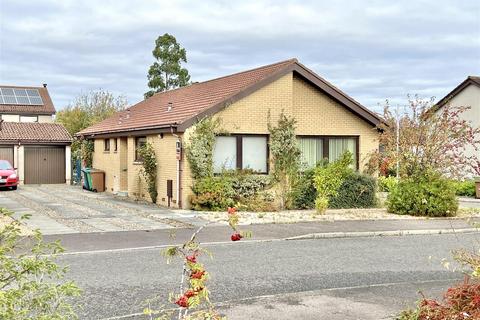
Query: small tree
(427,140)
(285,156)
(31,283)
(328,179)
(149,169)
(166,72)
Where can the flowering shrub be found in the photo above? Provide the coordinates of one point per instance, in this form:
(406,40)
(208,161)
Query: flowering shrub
(193,299)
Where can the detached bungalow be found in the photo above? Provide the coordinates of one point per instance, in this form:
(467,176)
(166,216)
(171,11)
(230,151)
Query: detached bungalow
(328,123)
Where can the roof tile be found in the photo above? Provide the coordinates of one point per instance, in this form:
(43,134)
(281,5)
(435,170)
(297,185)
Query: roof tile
(34,132)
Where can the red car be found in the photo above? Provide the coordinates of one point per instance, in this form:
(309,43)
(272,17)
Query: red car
(8,175)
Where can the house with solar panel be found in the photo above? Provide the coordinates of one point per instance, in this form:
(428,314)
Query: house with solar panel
(329,122)
(37,147)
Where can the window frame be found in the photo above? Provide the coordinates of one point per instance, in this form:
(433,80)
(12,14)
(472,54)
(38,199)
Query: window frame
(28,116)
(137,156)
(326,144)
(115,144)
(239,145)
(106,145)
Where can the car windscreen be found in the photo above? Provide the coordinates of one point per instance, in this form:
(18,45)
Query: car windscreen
(5,165)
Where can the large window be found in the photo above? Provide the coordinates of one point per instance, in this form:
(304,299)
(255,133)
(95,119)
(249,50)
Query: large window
(241,152)
(139,143)
(316,148)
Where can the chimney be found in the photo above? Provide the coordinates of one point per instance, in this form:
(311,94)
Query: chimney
(44,85)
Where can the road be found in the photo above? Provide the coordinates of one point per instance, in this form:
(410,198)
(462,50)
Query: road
(378,276)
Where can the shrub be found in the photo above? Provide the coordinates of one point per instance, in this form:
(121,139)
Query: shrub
(328,179)
(32,285)
(459,302)
(356,191)
(386,184)
(304,192)
(149,169)
(426,195)
(212,193)
(233,187)
(464,188)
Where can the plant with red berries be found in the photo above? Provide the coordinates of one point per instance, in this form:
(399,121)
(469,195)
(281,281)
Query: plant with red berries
(193,298)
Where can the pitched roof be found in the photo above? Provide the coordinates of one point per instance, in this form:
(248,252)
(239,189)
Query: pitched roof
(191,103)
(34,132)
(471,80)
(46,108)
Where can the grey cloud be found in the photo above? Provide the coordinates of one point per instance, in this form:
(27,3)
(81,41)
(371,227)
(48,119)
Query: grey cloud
(373,52)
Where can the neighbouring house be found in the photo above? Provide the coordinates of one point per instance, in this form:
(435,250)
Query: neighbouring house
(37,147)
(328,123)
(466,94)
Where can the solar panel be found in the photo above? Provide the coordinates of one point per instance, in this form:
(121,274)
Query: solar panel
(20,96)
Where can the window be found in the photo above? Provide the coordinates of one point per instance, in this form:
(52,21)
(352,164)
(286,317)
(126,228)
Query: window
(312,150)
(115,147)
(28,118)
(225,153)
(316,148)
(241,152)
(338,146)
(106,145)
(139,143)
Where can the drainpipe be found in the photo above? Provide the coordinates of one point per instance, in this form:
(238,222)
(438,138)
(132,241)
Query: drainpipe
(177,196)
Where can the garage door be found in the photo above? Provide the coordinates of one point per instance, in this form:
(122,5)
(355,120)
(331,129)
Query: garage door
(44,164)
(6,153)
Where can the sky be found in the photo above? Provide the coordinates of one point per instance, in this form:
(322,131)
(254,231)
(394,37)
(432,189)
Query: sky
(372,50)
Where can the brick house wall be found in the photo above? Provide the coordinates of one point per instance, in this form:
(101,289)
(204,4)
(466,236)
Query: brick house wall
(315,112)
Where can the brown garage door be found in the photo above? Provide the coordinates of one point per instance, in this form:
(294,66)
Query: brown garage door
(6,153)
(44,164)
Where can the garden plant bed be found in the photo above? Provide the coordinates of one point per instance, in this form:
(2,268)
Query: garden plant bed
(293,216)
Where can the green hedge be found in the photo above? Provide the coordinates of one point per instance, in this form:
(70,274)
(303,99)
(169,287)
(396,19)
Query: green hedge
(356,191)
(465,188)
(386,184)
(428,195)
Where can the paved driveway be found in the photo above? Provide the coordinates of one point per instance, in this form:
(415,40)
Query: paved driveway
(57,209)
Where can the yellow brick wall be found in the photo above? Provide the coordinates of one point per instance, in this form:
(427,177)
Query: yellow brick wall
(250,114)
(318,114)
(109,162)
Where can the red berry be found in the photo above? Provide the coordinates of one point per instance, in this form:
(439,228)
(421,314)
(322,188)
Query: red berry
(192,259)
(197,275)
(236,237)
(189,293)
(231,210)
(182,302)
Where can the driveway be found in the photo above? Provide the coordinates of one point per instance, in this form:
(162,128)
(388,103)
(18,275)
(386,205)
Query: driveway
(60,209)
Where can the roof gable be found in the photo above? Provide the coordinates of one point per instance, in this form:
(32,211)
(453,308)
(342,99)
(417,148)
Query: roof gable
(471,80)
(180,108)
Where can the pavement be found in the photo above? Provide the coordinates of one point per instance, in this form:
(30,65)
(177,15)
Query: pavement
(64,209)
(346,278)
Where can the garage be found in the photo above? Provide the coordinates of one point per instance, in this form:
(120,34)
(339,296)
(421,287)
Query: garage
(44,164)
(6,153)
